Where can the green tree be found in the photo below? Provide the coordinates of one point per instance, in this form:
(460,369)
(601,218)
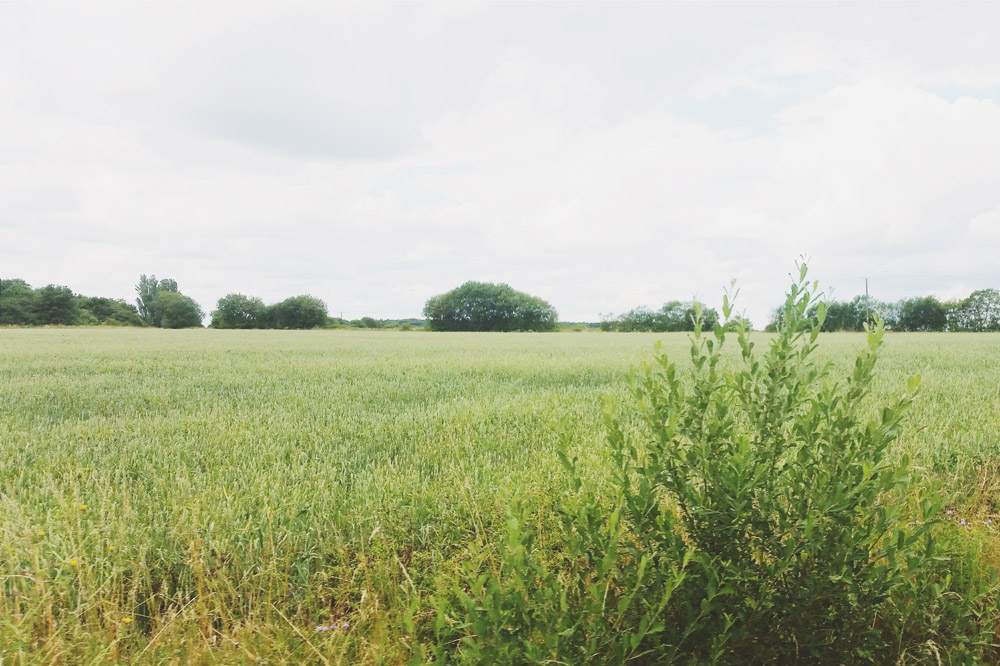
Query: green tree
(674,316)
(367,322)
(151,306)
(980,311)
(841,316)
(55,305)
(239,311)
(177,310)
(147,289)
(485,306)
(16,303)
(922,314)
(297,312)
(108,311)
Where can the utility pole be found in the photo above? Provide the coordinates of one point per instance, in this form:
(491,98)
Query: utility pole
(868,303)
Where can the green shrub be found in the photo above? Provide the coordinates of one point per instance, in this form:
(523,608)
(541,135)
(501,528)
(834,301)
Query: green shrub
(755,517)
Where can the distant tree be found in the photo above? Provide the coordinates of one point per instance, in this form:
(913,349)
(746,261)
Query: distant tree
(674,316)
(108,311)
(636,319)
(953,311)
(889,312)
(367,322)
(298,312)
(842,316)
(738,321)
(177,310)
(922,314)
(147,289)
(852,315)
(778,317)
(846,315)
(709,316)
(980,311)
(151,306)
(485,306)
(55,305)
(239,311)
(17,303)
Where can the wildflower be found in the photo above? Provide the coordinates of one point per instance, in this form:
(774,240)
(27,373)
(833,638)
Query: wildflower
(73,563)
(126,620)
(111,548)
(41,533)
(961,521)
(347,626)
(949,512)
(83,507)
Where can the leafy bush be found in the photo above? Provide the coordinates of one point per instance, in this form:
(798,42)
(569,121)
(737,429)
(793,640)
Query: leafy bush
(484,306)
(754,517)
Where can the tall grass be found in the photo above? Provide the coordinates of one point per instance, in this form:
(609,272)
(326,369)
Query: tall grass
(304,497)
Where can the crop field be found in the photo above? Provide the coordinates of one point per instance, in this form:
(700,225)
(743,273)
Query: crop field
(204,496)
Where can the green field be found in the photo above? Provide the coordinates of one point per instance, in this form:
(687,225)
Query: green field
(205,496)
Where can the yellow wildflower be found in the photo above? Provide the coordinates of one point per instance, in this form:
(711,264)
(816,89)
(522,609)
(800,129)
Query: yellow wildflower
(73,563)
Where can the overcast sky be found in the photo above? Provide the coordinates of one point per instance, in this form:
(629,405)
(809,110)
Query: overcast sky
(601,156)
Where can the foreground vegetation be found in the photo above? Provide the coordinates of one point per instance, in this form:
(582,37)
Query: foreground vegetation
(348,497)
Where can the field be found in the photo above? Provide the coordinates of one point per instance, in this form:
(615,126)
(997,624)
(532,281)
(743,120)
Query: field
(248,496)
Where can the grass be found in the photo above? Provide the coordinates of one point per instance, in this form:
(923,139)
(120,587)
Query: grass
(215,496)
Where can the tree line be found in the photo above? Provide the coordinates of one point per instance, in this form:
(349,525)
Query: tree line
(978,312)
(674,316)
(474,306)
(21,305)
(160,304)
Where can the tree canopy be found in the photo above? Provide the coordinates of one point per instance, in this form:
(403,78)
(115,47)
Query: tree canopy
(238,311)
(672,317)
(979,312)
(160,303)
(176,310)
(485,306)
(297,312)
(21,305)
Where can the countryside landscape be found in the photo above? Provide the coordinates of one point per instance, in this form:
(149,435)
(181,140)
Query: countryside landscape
(342,496)
(490,333)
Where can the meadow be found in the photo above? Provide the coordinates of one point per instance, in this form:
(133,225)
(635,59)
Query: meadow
(205,496)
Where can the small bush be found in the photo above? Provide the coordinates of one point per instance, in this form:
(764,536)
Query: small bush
(754,517)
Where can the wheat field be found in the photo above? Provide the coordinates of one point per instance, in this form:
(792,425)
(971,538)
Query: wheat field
(204,496)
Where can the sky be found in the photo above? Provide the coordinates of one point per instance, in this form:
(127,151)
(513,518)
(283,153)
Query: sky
(601,156)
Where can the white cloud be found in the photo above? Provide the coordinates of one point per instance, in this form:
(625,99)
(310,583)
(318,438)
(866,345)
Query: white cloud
(376,156)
